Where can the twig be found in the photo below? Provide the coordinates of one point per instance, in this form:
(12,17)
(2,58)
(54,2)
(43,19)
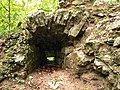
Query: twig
(4,7)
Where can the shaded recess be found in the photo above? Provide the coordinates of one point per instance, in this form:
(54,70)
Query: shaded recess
(50,34)
(48,43)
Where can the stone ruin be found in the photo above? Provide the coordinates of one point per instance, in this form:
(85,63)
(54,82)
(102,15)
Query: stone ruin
(83,37)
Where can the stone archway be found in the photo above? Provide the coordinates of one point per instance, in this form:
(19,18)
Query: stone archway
(78,35)
(48,42)
(49,34)
(42,36)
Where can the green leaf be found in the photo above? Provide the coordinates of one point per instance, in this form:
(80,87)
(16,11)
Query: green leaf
(19,12)
(50,58)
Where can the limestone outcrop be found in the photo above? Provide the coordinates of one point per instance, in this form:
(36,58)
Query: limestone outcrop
(82,37)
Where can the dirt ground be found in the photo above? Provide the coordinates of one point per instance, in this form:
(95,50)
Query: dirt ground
(40,79)
(53,78)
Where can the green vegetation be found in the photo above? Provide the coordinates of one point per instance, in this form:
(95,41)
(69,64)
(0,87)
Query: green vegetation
(86,87)
(114,0)
(111,0)
(50,58)
(14,12)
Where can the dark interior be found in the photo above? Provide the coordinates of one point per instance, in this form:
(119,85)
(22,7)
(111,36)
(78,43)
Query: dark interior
(48,43)
(46,48)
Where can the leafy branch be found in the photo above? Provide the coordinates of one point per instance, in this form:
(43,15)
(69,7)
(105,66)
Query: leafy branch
(4,7)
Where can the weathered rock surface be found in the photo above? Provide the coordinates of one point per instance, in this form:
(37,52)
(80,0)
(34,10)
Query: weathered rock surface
(81,37)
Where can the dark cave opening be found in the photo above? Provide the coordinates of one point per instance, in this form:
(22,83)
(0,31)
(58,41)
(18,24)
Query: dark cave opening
(46,51)
(48,44)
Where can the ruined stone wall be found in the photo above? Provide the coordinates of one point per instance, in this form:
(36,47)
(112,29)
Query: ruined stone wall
(89,36)
(99,47)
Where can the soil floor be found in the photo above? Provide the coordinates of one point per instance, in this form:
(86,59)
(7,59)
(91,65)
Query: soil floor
(54,78)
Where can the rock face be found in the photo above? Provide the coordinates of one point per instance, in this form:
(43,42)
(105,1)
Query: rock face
(81,37)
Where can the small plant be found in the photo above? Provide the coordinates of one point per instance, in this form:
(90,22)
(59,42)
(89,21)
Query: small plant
(21,81)
(30,84)
(86,87)
(30,78)
(55,83)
